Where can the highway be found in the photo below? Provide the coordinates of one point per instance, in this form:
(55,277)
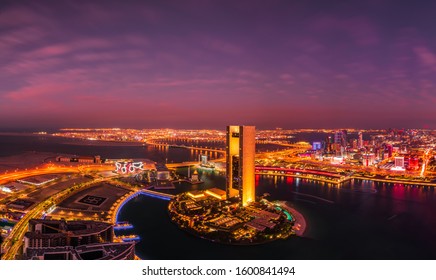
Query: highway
(182,164)
(206,149)
(51,169)
(13,242)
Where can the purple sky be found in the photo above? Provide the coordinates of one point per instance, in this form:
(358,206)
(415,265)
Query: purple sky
(200,64)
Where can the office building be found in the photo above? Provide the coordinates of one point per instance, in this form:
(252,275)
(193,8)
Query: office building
(316,146)
(341,138)
(360,140)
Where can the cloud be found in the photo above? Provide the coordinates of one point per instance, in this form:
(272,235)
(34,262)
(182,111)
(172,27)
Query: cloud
(70,46)
(19,16)
(222,46)
(360,29)
(37,92)
(287,78)
(19,37)
(426,57)
(25,67)
(73,55)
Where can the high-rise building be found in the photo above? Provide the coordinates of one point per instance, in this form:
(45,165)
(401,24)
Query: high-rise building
(316,146)
(328,144)
(355,143)
(341,138)
(399,162)
(368,159)
(413,163)
(360,140)
(240,151)
(340,142)
(338,137)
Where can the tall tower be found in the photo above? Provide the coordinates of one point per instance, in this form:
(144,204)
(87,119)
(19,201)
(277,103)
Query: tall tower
(240,151)
(338,137)
(360,140)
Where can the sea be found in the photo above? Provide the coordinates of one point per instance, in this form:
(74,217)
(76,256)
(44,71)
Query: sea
(360,219)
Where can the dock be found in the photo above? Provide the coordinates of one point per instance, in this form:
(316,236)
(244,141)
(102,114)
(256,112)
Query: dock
(128,238)
(122,226)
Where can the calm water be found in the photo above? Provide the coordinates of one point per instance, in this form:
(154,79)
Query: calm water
(360,220)
(13,145)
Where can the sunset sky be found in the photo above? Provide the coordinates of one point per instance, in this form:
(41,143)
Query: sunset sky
(207,64)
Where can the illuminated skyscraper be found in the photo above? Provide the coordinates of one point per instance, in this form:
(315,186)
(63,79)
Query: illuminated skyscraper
(360,140)
(240,151)
(338,137)
(316,146)
(340,141)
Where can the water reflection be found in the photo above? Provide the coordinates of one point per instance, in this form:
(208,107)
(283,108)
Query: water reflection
(358,219)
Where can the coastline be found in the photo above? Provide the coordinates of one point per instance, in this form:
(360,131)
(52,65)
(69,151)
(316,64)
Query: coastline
(300,221)
(84,142)
(76,141)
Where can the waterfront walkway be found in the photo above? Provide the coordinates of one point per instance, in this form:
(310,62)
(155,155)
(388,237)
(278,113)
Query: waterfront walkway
(132,195)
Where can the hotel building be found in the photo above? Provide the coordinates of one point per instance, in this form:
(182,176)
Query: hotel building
(240,152)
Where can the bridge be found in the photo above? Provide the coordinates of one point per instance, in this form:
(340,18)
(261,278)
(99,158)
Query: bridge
(202,149)
(164,196)
(132,195)
(182,164)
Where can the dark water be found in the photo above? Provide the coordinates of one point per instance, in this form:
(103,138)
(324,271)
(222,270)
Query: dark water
(17,144)
(360,220)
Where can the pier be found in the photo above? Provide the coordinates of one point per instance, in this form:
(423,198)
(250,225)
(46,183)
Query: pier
(123,226)
(128,238)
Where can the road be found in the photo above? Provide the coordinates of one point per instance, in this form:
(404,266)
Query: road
(13,242)
(51,169)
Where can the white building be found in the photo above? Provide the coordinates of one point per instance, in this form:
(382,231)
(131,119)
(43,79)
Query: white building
(399,164)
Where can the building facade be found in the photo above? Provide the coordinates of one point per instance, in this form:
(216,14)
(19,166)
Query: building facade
(68,240)
(240,152)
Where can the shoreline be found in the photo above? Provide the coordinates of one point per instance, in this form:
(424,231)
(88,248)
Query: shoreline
(389,181)
(5,165)
(299,218)
(77,141)
(283,228)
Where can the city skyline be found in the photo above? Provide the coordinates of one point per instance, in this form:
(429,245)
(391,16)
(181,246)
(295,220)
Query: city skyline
(204,64)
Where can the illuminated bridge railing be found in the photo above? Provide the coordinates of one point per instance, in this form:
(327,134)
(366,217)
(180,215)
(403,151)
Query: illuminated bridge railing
(120,206)
(159,195)
(292,170)
(150,193)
